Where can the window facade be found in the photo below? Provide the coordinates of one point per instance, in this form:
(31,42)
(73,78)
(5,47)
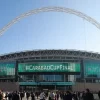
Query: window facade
(7,70)
(91,69)
(47,78)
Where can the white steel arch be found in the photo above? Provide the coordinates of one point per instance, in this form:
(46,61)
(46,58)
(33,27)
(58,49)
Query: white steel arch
(48,9)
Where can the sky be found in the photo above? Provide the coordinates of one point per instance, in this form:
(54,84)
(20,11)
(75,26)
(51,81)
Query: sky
(49,30)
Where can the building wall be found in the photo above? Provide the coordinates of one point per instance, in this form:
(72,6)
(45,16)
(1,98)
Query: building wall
(14,86)
(83,86)
(9,86)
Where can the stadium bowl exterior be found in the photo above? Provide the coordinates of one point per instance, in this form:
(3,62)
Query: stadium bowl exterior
(80,80)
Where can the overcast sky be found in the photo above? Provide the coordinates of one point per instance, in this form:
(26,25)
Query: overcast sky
(49,30)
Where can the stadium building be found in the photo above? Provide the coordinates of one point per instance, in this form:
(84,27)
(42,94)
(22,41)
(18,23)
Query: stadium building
(50,69)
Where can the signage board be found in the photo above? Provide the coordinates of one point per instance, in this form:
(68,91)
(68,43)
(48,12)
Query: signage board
(49,67)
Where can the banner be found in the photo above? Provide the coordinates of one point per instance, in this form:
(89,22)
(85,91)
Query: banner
(49,67)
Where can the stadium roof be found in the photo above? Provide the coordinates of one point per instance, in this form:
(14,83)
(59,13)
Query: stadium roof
(50,54)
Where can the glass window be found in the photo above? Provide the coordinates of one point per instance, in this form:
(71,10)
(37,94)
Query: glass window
(42,78)
(48,77)
(53,77)
(59,77)
(96,81)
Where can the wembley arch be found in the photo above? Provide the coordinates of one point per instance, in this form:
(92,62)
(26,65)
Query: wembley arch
(49,9)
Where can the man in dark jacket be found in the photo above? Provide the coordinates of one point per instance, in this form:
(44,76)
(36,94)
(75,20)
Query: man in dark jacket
(10,96)
(83,95)
(27,95)
(78,94)
(21,95)
(64,96)
(68,96)
(32,96)
(75,97)
(99,94)
(89,95)
(15,96)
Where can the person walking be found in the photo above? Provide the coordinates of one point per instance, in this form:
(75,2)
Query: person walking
(32,96)
(27,95)
(42,96)
(1,96)
(75,97)
(99,94)
(78,95)
(88,95)
(15,96)
(57,94)
(21,95)
(52,96)
(9,96)
(83,95)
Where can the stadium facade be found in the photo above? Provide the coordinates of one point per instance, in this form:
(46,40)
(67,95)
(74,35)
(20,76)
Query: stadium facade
(50,69)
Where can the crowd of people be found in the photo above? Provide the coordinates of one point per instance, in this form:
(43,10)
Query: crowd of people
(48,95)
